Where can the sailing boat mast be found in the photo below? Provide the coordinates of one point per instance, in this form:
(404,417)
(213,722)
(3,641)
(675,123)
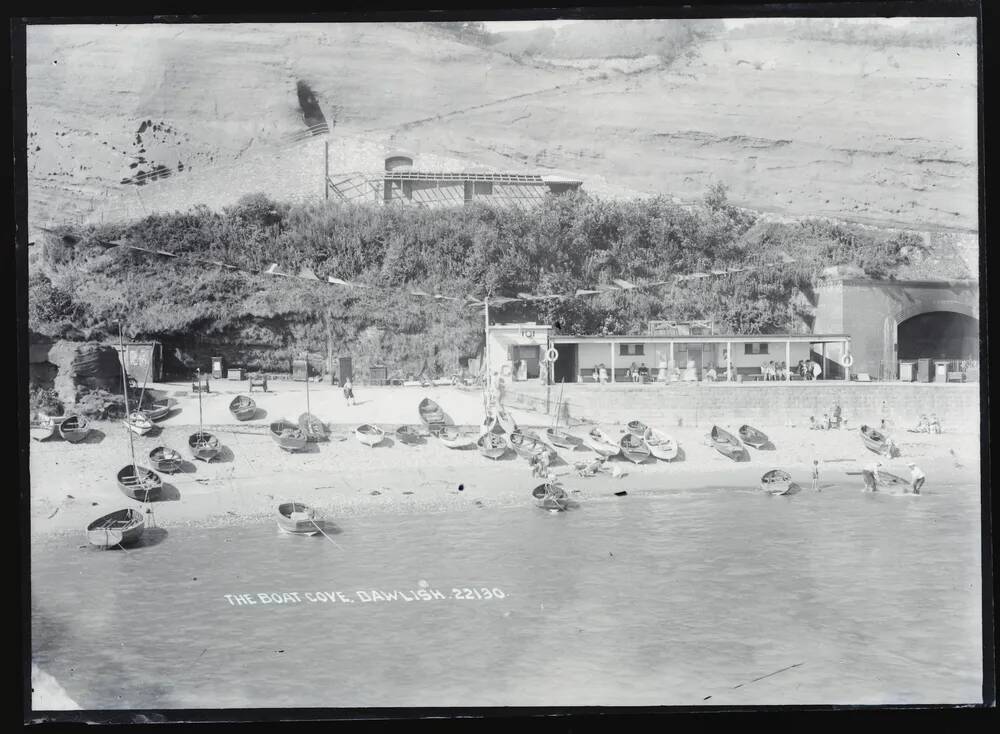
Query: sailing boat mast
(308,411)
(201,424)
(128,413)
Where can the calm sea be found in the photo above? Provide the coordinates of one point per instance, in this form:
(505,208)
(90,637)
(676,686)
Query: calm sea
(707,597)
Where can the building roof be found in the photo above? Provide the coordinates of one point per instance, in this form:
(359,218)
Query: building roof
(508,178)
(706,338)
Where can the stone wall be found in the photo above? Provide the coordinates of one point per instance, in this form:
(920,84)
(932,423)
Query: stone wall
(768,404)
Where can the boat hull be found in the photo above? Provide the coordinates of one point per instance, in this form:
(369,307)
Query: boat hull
(492,445)
(873,440)
(636,453)
(296,518)
(752,437)
(562,440)
(288,436)
(431,415)
(165,460)
(526,445)
(456,439)
(312,427)
(157,412)
(146,487)
(41,433)
(138,423)
(369,435)
(74,429)
(243,408)
(407,435)
(776,481)
(120,528)
(638,428)
(601,445)
(203,445)
(662,446)
(550,497)
(727,444)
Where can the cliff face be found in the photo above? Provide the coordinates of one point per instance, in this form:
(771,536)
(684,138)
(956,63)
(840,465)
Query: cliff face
(164,117)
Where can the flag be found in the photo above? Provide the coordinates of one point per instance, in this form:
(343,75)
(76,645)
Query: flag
(623,284)
(336,281)
(307,274)
(581,292)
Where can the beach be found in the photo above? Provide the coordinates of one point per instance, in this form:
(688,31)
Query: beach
(678,583)
(73,484)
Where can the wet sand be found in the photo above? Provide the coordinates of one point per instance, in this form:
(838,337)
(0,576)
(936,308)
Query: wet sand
(72,484)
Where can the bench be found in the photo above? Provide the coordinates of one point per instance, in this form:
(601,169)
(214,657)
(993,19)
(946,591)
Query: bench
(259,381)
(200,386)
(956,377)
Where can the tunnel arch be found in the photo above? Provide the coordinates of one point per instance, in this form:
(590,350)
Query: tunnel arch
(914,329)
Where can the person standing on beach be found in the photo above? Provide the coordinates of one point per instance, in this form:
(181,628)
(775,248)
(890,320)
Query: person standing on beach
(917,476)
(871,475)
(349,392)
(815,476)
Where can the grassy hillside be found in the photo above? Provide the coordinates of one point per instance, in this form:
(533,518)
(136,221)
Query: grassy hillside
(861,123)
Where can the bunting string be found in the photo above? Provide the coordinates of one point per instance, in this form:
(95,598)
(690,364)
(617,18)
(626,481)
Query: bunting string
(616,286)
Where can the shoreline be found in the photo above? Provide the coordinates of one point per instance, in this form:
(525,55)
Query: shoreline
(73,484)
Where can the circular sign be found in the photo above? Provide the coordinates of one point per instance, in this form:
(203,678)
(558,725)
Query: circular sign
(552,355)
(848,360)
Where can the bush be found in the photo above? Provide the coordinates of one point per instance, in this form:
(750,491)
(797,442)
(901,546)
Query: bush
(44,400)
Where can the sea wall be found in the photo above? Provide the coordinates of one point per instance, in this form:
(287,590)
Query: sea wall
(769,404)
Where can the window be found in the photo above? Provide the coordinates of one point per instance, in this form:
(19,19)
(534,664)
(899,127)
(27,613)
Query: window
(483,188)
(631,350)
(755,348)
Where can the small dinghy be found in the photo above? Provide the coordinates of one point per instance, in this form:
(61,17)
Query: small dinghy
(296,518)
(752,437)
(74,429)
(562,439)
(662,445)
(408,435)
(369,435)
(776,481)
(637,428)
(140,483)
(550,497)
(243,408)
(312,428)
(42,427)
(456,439)
(492,445)
(138,423)
(431,415)
(119,528)
(527,445)
(890,480)
(165,459)
(157,411)
(634,448)
(727,444)
(874,441)
(598,441)
(203,445)
(287,435)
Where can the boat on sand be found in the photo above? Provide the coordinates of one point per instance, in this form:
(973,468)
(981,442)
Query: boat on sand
(120,528)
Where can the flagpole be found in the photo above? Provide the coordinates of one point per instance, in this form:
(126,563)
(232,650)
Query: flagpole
(486,349)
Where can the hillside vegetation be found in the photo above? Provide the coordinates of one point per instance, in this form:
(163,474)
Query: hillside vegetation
(81,288)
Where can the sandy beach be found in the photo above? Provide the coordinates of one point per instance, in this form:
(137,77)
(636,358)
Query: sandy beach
(72,484)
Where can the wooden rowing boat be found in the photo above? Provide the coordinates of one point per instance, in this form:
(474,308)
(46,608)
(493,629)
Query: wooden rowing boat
(42,427)
(492,445)
(138,423)
(598,441)
(313,428)
(408,435)
(456,439)
(287,435)
(204,445)
(890,479)
(634,448)
(752,437)
(562,439)
(369,435)
(637,428)
(296,518)
(526,444)
(662,445)
(776,481)
(116,529)
(874,441)
(165,459)
(158,411)
(140,483)
(74,429)
(727,444)
(431,415)
(550,497)
(243,408)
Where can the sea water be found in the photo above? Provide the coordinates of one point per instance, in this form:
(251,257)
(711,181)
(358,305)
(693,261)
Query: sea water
(705,597)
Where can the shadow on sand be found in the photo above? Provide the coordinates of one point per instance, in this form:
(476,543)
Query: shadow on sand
(169,493)
(150,538)
(95,436)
